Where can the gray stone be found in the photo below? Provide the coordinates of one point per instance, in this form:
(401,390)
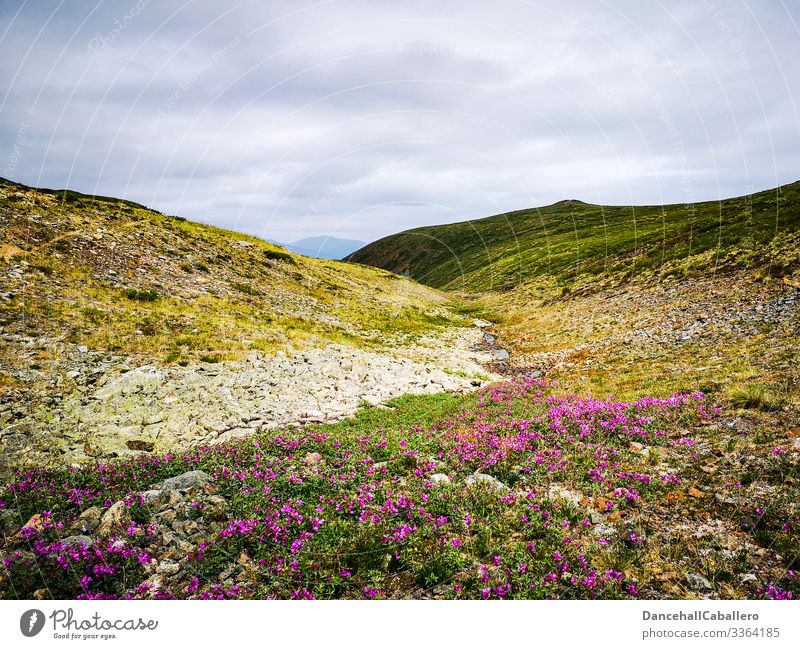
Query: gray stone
(605,529)
(440,478)
(483,478)
(698,582)
(150,496)
(115,519)
(78,540)
(596,518)
(560,491)
(234,433)
(168,567)
(188,480)
(8,521)
(499,354)
(723,499)
(88,521)
(215,508)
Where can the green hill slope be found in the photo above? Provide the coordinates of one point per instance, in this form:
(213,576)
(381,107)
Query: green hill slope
(571,243)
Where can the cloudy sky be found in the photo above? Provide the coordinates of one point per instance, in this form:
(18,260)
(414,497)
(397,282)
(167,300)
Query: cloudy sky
(359,118)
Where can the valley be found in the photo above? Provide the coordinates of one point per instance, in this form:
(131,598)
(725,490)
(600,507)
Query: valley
(573,401)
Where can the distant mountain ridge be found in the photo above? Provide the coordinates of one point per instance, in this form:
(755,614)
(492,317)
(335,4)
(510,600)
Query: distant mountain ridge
(324,247)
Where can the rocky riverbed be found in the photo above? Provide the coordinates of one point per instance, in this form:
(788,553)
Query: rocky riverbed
(99,405)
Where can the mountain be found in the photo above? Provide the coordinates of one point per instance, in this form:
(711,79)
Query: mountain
(123,329)
(572,244)
(628,300)
(325,247)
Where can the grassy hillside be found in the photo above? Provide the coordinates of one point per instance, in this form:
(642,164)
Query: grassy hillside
(114,275)
(571,244)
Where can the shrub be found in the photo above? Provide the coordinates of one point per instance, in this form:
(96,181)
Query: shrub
(244,288)
(759,397)
(277,255)
(141,295)
(45,269)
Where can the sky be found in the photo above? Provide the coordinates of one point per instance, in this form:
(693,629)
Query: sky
(361,118)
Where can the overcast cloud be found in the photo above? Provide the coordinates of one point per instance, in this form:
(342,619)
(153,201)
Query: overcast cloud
(360,118)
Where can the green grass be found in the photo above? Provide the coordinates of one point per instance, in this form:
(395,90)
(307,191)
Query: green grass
(759,397)
(401,413)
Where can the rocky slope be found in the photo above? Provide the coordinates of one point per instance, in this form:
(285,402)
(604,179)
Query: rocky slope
(104,407)
(713,333)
